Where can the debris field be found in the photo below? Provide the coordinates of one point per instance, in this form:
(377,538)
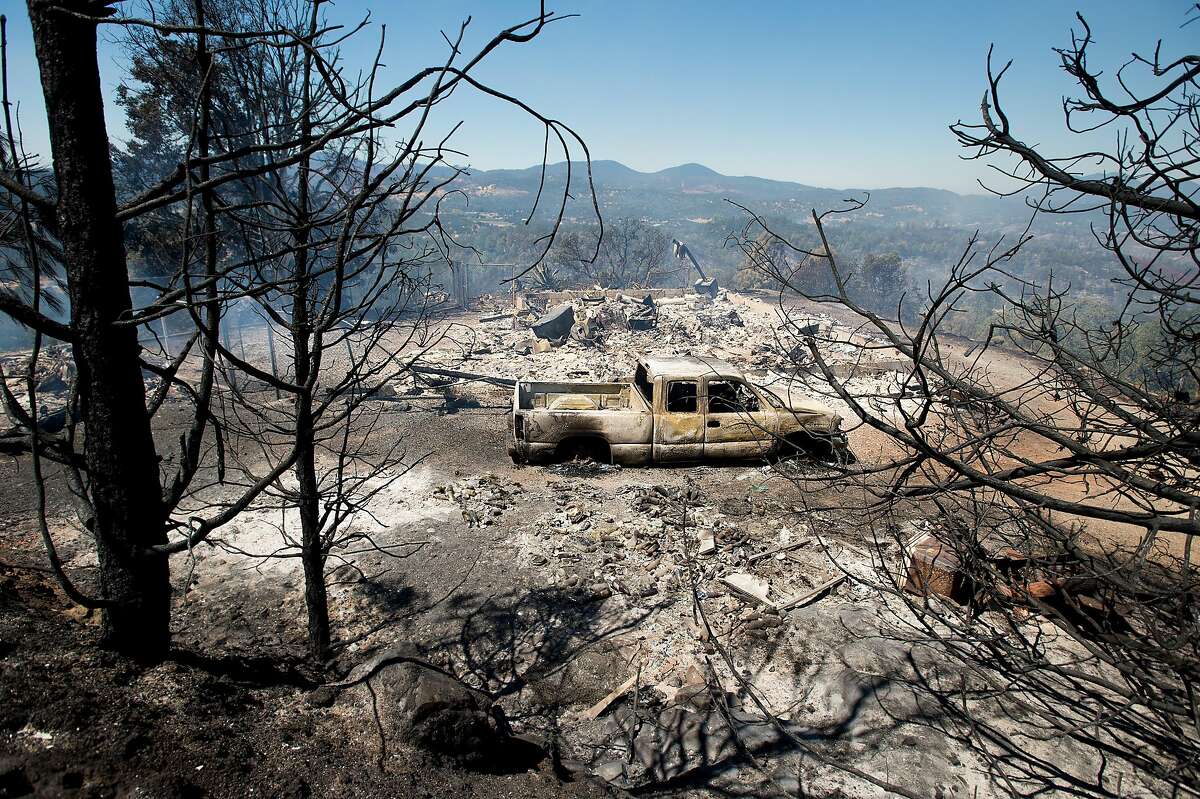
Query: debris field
(658,628)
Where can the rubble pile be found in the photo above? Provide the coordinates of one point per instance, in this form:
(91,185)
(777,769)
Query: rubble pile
(596,337)
(483,499)
(52,378)
(645,555)
(664,540)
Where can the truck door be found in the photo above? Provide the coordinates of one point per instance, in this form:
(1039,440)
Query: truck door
(678,420)
(738,424)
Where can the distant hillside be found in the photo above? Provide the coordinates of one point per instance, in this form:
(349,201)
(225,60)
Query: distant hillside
(694,191)
(927,227)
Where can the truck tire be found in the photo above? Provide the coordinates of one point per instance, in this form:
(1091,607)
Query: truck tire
(803,445)
(593,449)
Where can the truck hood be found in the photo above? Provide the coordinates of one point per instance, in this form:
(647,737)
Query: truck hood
(806,409)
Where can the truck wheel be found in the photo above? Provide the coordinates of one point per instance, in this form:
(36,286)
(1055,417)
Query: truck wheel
(802,445)
(584,449)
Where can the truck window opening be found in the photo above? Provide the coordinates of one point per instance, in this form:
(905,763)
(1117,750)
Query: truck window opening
(643,383)
(681,397)
(730,396)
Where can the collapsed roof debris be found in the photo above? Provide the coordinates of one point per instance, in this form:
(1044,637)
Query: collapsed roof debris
(595,336)
(556,324)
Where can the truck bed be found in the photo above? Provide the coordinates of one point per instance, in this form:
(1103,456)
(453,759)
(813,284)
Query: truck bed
(549,415)
(539,395)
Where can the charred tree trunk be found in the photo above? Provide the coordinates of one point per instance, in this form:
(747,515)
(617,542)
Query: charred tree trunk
(307,351)
(312,550)
(119,449)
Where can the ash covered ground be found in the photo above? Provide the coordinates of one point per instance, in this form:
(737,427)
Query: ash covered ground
(677,630)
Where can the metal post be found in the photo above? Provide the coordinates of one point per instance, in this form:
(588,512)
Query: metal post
(230,374)
(271,349)
(162,323)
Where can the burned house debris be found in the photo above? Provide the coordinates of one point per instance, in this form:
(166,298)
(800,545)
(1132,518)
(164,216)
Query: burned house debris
(731,614)
(704,284)
(556,324)
(644,317)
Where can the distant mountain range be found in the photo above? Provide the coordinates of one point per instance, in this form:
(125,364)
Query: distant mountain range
(696,192)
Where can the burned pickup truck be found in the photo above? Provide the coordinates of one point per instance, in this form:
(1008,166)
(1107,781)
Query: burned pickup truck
(673,409)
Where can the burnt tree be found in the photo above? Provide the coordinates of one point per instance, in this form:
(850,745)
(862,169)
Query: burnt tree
(142,502)
(1060,494)
(128,518)
(330,257)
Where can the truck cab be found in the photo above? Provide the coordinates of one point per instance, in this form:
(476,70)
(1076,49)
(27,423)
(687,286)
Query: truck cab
(705,409)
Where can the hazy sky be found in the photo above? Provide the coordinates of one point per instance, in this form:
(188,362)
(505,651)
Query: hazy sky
(839,94)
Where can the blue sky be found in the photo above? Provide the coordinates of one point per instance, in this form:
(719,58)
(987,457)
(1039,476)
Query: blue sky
(838,94)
